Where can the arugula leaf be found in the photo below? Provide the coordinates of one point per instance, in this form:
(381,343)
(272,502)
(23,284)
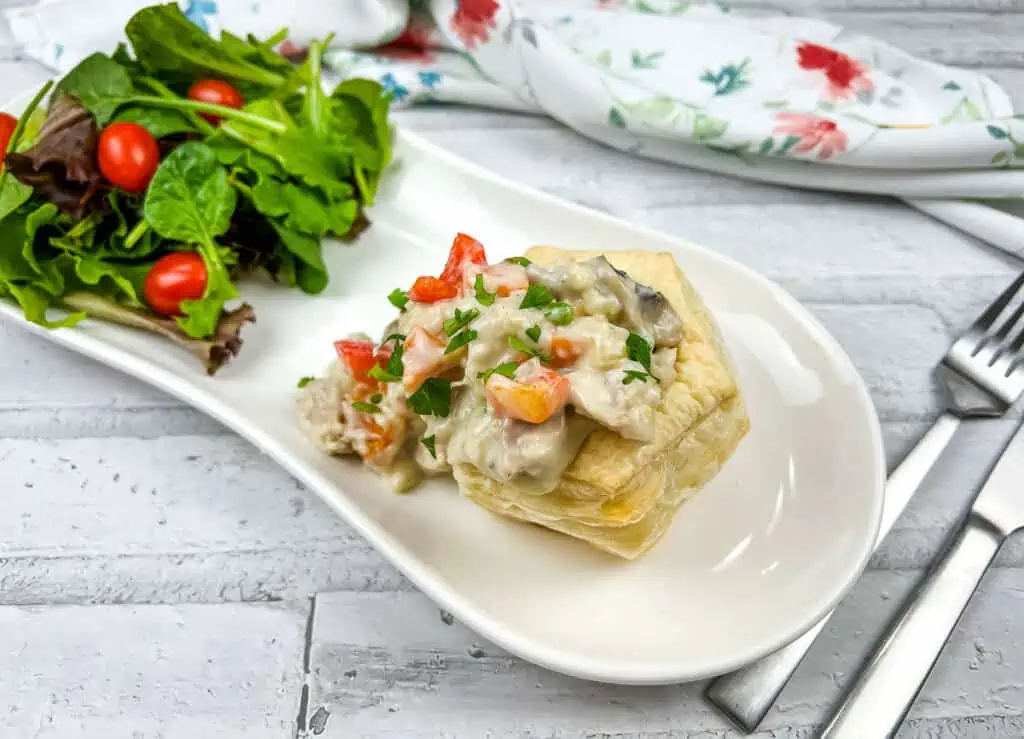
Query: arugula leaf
(304,209)
(100,84)
(398,299)
(34,303)
(534,333)
(482,296)
(303,381)
(537,296)
(169,44)
(460,340)
(506,369)
(310,271)
(461,319)
(258,52)
(430,442)
(434,398)
(560,314)
(189,200)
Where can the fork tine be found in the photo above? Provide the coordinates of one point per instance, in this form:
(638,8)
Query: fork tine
(987,319)
(998,350)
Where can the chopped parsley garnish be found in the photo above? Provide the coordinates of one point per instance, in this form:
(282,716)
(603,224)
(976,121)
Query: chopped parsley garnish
(639,351)
(534,333)
(521,346)
(434,398)
(462,319)
(366,407)
(430,442)
(305,381)
(397,338)
(376,398)
(521,261)
(398,299)
(460,340)
(506,369)
(635,375)
(392,372)
(560,314)
(482,296)
(537,296)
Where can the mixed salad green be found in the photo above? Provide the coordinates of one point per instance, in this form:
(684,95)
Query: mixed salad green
(152,179)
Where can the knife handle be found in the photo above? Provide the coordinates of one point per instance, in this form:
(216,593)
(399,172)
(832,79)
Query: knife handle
(746,695)
(884,691)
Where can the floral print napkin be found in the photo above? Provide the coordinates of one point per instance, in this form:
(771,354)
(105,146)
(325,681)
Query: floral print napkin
(796,101)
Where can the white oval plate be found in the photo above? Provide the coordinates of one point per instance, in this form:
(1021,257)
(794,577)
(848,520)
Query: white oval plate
(749,564)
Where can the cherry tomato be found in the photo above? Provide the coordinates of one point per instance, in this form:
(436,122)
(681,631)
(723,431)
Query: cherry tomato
(217,92)
(179,276)
(128,156)
(465,249)
(360,356)
(431,290)
(7,124)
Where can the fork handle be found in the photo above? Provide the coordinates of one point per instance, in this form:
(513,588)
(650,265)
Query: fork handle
(885,690)
(746,695)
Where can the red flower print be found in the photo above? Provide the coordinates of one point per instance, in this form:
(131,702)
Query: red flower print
(412,44)
(473,19)
(844,74)
(812,131)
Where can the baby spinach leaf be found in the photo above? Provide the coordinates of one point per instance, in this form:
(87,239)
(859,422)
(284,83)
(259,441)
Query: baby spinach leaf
(13,194)
(189,200)
(303,208)
(169,44)
(100,84)
(159,122)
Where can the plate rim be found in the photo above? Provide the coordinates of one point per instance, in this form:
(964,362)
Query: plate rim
(621,673)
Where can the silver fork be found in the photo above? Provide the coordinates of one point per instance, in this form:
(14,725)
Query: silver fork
(983,375)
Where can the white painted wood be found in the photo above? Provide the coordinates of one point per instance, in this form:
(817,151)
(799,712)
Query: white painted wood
(387,665)
(165,639)
(173,672)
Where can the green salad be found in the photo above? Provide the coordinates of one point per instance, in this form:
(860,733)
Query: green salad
(144,184)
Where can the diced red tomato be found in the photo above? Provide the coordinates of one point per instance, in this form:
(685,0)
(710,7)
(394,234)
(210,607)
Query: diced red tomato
(465,250)
(360,356)
(564,352)
(536,397)
(432,290)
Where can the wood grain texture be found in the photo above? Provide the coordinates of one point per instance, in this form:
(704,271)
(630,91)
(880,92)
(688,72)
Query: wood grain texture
(155,570)
(174,672)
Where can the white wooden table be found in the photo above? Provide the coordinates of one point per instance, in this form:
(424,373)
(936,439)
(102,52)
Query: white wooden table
(160,578)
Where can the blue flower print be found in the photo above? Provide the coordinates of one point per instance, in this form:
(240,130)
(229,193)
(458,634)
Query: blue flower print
(391,85)
(429,80)
(198,10)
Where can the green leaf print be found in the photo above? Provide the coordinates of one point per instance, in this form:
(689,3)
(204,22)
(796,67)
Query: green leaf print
(788,144)
(659,108)
(951,85)
(964,110)
(605,58)
(766,146)
(706,128)
(616,119)
(997,133)
(1001,157)
(775,104)
(729,79)
(646,61)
